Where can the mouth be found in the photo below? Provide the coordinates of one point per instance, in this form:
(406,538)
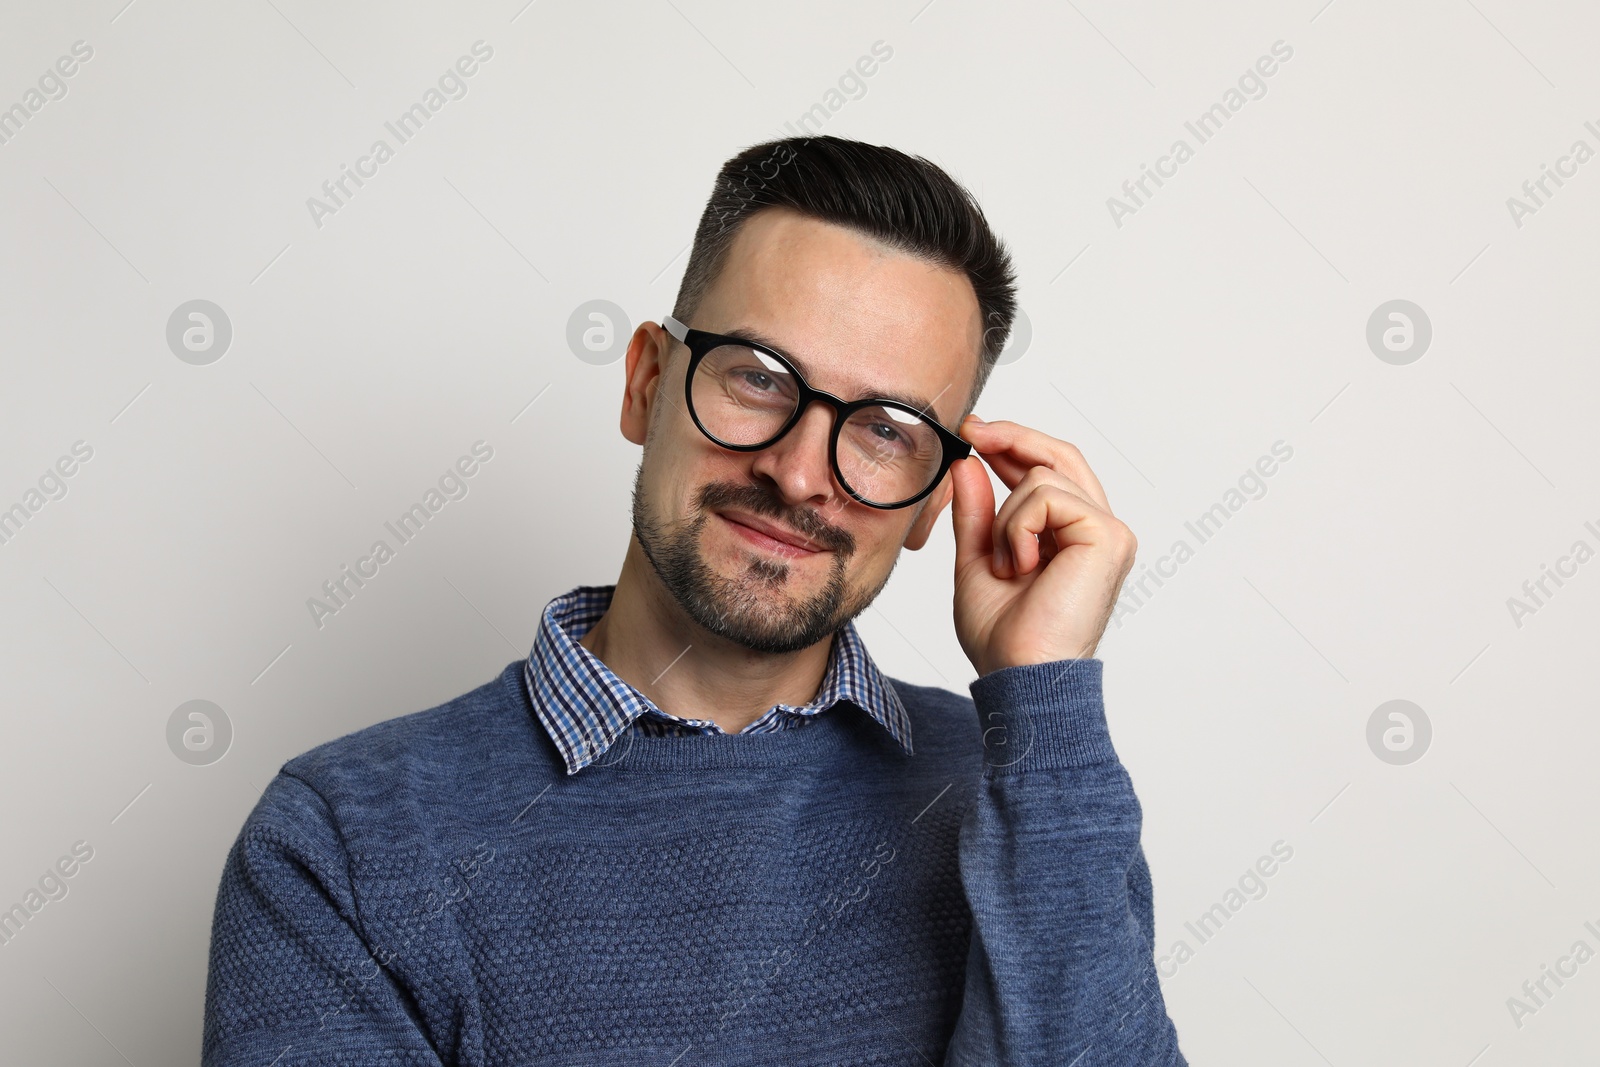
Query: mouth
(770,537)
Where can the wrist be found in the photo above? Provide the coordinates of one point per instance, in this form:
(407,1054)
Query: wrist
(1036,659)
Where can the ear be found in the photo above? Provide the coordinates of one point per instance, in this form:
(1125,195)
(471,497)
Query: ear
(648,352)
(935,503)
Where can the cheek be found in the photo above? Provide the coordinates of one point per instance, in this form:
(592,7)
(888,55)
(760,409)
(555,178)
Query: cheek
(669,455)
(879,537)
(676,470)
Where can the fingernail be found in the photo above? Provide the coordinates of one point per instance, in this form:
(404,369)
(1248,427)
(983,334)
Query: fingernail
(977,420)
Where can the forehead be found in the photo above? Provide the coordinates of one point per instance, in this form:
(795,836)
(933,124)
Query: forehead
(857,317)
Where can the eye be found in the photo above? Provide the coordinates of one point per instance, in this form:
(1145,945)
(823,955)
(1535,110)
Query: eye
(758,379)
(888,433)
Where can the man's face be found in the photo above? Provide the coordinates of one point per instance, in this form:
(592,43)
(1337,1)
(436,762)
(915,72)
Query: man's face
(858,320)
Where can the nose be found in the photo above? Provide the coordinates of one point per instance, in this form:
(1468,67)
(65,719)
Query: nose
(797,463)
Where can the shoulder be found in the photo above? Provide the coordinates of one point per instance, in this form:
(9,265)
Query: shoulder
(433,758)
(930,699)
(938,715)
(406,795)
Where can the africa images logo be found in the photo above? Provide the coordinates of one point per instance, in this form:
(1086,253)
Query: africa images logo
(452,85)
(453,484)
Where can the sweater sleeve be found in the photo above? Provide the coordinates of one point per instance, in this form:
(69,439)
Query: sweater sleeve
(1061,967)
(292,979)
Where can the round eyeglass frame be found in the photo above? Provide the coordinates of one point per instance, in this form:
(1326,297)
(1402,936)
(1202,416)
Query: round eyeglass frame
(700,343)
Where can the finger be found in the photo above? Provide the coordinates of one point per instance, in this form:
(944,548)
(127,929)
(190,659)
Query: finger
(1047,549)
(1047,509)
(1012,472)
(1038,477)
(1018,447)
(972,512)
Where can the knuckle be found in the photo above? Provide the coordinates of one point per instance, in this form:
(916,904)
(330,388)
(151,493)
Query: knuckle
(1125,536)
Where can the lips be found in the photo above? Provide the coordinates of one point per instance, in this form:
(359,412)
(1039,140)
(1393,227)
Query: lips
(758,530)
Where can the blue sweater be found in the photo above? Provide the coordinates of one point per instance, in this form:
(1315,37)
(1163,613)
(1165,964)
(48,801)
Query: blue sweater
(437,889)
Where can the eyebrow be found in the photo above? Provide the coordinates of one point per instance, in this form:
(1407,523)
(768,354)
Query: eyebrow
(917,403)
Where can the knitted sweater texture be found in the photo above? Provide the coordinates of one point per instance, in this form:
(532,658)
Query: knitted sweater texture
(437,890)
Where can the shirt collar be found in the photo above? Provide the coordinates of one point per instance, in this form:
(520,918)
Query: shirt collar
(585,707)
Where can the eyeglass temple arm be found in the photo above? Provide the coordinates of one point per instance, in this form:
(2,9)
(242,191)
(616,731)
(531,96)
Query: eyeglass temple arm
(674,327)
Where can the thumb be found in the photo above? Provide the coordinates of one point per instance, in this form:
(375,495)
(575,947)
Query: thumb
(972,511)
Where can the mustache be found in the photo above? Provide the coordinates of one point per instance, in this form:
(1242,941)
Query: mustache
(761,501)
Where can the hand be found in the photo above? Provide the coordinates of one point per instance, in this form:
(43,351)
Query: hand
(1037,581)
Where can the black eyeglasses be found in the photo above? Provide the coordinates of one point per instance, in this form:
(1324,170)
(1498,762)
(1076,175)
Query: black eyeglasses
(745,396)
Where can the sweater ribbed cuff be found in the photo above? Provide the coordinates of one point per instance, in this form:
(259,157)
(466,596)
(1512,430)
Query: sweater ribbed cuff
(1043,716)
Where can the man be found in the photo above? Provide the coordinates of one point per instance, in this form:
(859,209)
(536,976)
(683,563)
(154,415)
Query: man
(697,825)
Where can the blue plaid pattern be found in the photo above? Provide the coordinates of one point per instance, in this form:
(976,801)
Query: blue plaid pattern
(585,707)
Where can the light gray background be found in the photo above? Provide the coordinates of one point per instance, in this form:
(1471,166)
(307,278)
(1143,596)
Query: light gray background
(1229,313)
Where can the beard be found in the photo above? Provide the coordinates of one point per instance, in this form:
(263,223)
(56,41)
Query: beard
(751,609)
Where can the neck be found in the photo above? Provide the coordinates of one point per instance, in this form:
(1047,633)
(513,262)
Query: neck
(648,641)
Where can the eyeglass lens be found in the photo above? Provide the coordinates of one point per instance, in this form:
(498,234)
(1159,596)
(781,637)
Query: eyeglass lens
(744,397)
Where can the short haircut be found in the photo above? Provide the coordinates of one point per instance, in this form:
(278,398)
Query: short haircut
(905,202)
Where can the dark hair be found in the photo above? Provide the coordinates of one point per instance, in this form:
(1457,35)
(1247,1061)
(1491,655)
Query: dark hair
(905,202)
